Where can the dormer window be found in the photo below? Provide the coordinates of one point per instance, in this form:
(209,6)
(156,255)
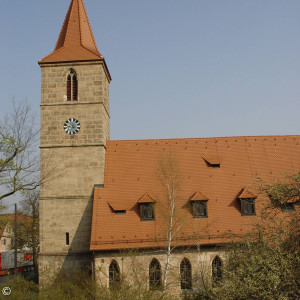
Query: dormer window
(199,209)
(247,201)
(216,166)
(146,205)
(212,161)
(117,208)
(288,207)
(72,86)
(199,205)
(147,211)
(248,206)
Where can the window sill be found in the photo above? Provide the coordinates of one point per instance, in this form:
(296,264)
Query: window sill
(200,217)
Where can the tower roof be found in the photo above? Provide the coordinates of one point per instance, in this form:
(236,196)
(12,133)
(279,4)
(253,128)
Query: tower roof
(76,41)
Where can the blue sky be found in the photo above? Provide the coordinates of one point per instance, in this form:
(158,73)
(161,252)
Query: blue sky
(190,68)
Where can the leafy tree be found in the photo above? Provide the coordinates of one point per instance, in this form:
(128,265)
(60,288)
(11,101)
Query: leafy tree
(266,263)
(19,162)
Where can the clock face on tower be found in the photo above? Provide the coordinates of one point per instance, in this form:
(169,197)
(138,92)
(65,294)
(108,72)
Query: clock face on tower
(71,126)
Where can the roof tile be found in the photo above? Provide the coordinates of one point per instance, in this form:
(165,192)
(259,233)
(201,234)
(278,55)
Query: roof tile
(243,160)
(76,41)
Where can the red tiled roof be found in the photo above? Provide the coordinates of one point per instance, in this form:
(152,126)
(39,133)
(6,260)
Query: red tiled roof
(131,171)
(146,199)
(76,41)
(246,193)
(198,196)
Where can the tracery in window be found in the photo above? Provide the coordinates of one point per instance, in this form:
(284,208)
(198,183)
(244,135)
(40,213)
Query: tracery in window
(154,274)
(114,275)
(217,269)
(185,274)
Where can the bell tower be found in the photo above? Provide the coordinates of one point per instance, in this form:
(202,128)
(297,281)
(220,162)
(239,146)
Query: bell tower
(74,131)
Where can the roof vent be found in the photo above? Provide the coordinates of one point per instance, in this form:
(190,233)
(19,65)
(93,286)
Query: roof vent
(212,161)
(120,212)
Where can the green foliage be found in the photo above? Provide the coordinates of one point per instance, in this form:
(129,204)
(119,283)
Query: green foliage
(266,264)
(80,287)
(281,191)
(258,270)
(20,288)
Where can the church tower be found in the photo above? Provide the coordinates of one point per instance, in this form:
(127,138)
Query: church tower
(74,131)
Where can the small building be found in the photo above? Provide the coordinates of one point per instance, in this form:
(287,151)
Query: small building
(25,263)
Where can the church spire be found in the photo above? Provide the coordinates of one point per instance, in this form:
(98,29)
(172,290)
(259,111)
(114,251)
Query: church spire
(76,41)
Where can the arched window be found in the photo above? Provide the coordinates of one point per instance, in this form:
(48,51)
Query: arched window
(114,275)
(217,269)
(185,274)
(154,274)
(72,86)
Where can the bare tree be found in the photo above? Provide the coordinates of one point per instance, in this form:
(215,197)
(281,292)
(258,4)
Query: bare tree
(27,237)
(30,207)
(19,159)
(170,178)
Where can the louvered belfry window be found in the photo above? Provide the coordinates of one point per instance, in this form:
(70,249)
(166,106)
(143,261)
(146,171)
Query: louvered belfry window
(72,86)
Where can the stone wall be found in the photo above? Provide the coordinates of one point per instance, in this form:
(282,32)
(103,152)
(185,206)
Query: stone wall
(134,266)
(70,164)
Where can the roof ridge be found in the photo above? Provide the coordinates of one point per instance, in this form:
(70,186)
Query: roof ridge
(98,54)
(89,25)
(68,14)
(202,138)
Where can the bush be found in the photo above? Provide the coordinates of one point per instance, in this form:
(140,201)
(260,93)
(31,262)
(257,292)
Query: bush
(80,287)
(21,288)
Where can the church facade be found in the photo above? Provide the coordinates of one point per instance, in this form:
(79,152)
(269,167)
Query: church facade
(108,208)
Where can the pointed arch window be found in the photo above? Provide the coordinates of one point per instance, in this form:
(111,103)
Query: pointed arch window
(114,275)
(217,269)
(72,86)
(185,274)
(154,274)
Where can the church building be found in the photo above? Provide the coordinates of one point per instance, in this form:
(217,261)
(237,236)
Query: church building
(109,207)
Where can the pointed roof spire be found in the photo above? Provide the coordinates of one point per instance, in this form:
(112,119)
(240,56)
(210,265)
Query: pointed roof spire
(76,41)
